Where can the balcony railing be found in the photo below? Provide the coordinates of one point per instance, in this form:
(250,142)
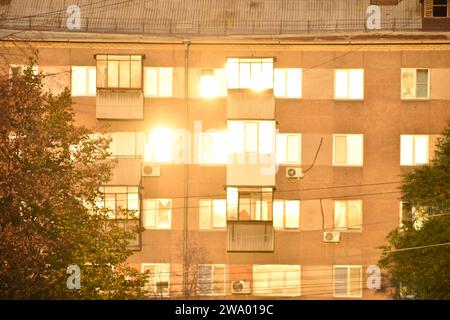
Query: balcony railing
(120,104)
(250,236)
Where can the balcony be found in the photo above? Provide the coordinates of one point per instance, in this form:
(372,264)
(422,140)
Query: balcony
(249,104)
(132,225)
(250,236)
(125,104)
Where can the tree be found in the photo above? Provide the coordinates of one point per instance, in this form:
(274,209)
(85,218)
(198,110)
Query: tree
(50,213)
(425,272)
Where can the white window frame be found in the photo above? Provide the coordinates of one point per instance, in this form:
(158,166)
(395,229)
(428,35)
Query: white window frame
(212,290)
(165,275)
(243,147)
(156,205)
(284,202)
(283,148)
(89,72)
(415,97)
(132,194)
(235,69)
(349,293)
(259,269)
(210,205)
(22,66)
(418,216)
(219,87)
(139,144)
(218,155)
(282,80)
(157,82)
(347,227)
(414,162)
(347,163)
(348,85)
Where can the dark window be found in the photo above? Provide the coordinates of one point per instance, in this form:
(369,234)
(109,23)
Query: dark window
(439,8)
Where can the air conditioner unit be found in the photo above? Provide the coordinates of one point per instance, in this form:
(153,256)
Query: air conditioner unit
(332,236)
(150,170)
(294,173)
(240,287)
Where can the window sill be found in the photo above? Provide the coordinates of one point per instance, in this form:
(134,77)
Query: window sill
(348,230)
(213,230)
(414,99)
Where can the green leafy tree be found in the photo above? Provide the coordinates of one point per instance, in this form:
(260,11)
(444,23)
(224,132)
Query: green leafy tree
(424,273)
(50,216)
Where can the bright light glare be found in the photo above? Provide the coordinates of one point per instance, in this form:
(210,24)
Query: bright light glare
(160,147)
(208,87)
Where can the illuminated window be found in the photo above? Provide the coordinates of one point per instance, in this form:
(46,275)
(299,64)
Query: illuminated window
(276,280)
(158,82)
(415,83)
(348,149)
(211,279)
(245,204)
(348,214)
(212,213)
(213,83)
(347,281)
(157,213)
(212,148)
(349,84)
(159,149)
(119,71)
(250,73)
(413,150)
(288,83)
(158,280)
(118,199)
(417,216)
(126,144)
(251,136)
(83,81)
(289,148)
(286,214)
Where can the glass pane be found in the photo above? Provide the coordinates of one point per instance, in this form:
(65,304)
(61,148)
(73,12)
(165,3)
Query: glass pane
(251,137)
(236,136)
(101,74)
(136,74)
(356,83)
(122,201)
(340,214)
(408,90)
(244,207)
(355,281)
(205,279)
(206,148)
(421,149)
(164,213)
(123,144)
(92,81)
(133,203)
(341,84)
(205,214)
(165,82)
(79,80)
(355,149)
(266,137)
(151,81)
(267,75)
(278,210)
(219,279)
(354,209)
(292,213)
(150,213)
(124,73)
(279,88)
(267,199)
(219,207)
(232,73)
(232,203)
(294,83)
(257,81)
(281,148)
(113,74)
(110,204)
(244,75)
(293,149)
(340,149)
(340,281)
(406,150)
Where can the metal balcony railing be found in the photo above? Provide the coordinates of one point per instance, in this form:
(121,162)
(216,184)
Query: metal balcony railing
(250,236)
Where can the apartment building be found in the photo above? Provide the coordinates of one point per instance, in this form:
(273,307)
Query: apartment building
(260,166)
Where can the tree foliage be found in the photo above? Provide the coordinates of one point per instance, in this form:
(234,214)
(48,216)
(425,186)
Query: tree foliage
(50,173)
(424,272)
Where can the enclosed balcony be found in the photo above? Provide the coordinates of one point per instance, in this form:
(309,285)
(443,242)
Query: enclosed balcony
(249,219)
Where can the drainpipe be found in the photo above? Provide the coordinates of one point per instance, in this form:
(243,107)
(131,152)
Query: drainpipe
(186,43)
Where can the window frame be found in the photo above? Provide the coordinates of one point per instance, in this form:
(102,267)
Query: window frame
(102,57)
(415,98)
(211,226)
(244,147)
(347,228)
(212,282)
(284,227)
(347,164)
(347,97)
(116,207)
(234,195)
(286,136)
(217,138)
(251,61)
(87,81)
(145,211)
(285,286)
(349,294)
(414,162)
(447,6)
(276,73)
(165,265)
(158,82)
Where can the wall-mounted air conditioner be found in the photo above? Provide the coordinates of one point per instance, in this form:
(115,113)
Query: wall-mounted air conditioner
(240,287)
(332,236)
(150,170)
(294,173)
